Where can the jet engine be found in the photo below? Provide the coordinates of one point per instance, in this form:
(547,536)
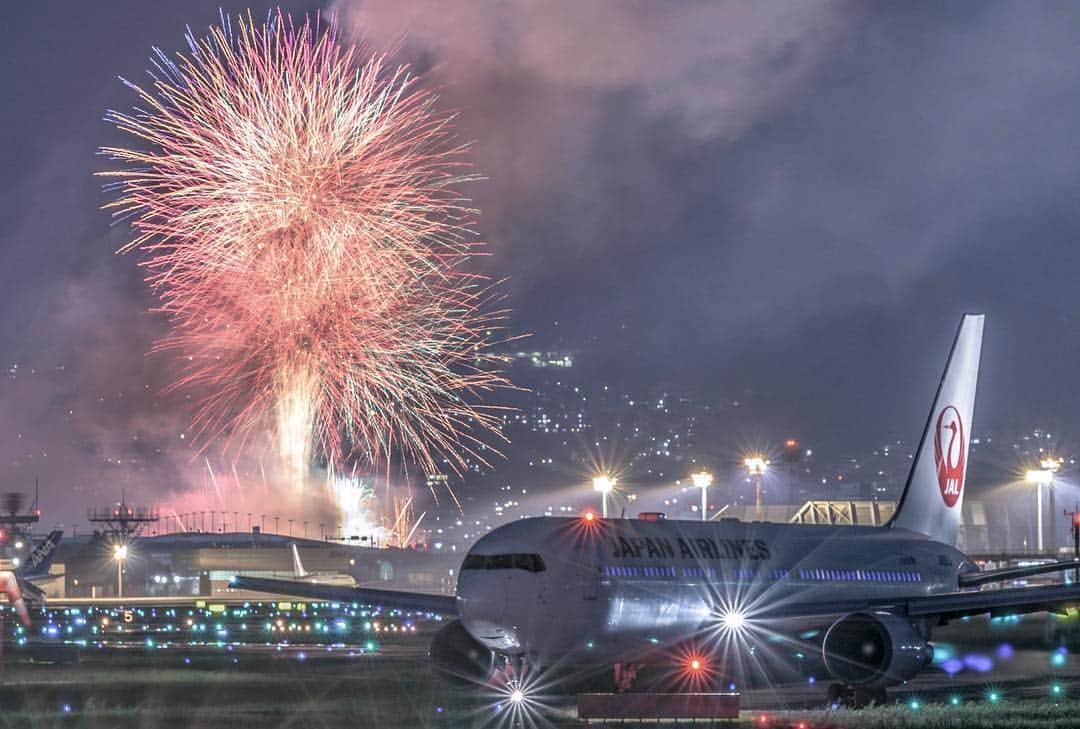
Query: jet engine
(459,657)
(875,649)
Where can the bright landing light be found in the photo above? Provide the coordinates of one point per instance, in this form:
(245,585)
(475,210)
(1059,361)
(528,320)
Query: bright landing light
(517,696)
(733,620)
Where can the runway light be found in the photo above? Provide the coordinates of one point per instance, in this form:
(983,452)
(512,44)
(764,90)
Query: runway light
(952,666)
(590,517)
(954,700)
(1056,690)
(915,704)
(1057,659)
(517,696)
(993,697)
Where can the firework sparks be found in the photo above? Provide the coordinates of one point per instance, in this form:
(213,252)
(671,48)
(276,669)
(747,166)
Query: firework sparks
(296,206)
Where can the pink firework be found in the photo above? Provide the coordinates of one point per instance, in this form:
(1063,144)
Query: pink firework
(296,204)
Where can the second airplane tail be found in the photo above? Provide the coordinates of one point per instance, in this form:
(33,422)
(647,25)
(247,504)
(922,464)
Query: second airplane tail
(933,497)
(298,566)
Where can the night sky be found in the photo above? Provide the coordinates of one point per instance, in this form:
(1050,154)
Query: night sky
(792,200)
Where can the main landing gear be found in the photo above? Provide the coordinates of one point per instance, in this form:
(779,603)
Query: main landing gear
(855,697)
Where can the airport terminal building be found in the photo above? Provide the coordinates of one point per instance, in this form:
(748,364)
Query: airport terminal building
(202,564)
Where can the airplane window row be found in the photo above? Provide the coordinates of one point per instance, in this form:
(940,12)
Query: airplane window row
(527,562)
(809,575)
(890,576)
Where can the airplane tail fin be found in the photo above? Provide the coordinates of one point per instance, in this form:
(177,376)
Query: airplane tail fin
(933,497)
(297,565)
(37,562)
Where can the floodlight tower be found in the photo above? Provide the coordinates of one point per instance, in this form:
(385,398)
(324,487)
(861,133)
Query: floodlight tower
(703,480)
(605,484)
(1043,477)
(756,466)
(120,554)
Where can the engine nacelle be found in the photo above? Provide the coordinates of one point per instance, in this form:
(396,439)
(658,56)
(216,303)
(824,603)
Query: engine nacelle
(459,657)
(875,649)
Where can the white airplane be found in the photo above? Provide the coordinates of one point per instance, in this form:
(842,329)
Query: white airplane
(682,604)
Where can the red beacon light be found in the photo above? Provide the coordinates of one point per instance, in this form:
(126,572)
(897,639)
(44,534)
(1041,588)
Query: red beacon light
(695,664)
(589,517)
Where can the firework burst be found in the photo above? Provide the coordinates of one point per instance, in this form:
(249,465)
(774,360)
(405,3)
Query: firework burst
(296,204)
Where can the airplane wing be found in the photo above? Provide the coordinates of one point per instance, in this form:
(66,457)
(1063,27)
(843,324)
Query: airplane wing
(1014,573)
(417,601)
(945,606)
(1006,601)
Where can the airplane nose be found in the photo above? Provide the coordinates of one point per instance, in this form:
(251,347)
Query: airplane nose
(482,607)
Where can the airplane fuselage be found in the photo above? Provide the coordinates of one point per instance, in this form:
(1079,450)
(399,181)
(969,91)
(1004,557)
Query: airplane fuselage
(610,589)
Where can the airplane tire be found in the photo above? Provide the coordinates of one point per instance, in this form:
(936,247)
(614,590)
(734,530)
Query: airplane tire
(836,694)
(855,697)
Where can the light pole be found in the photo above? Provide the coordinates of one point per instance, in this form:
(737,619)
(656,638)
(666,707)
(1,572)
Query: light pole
(703,480)
(604,484)
(756,467)
(1044,477)
(120,553)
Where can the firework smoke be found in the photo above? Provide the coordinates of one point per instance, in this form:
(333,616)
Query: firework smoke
(296,206)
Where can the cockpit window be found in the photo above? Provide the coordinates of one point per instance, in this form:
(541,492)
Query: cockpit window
(527,562)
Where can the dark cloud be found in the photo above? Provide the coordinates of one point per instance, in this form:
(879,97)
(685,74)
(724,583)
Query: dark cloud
(791,197)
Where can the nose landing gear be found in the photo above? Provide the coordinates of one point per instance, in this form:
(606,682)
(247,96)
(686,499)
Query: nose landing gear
(855,697)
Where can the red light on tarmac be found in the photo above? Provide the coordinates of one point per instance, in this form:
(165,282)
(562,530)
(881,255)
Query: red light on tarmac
(589,516)
(696,665)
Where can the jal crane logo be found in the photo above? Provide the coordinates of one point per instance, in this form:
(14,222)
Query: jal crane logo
(950,453)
